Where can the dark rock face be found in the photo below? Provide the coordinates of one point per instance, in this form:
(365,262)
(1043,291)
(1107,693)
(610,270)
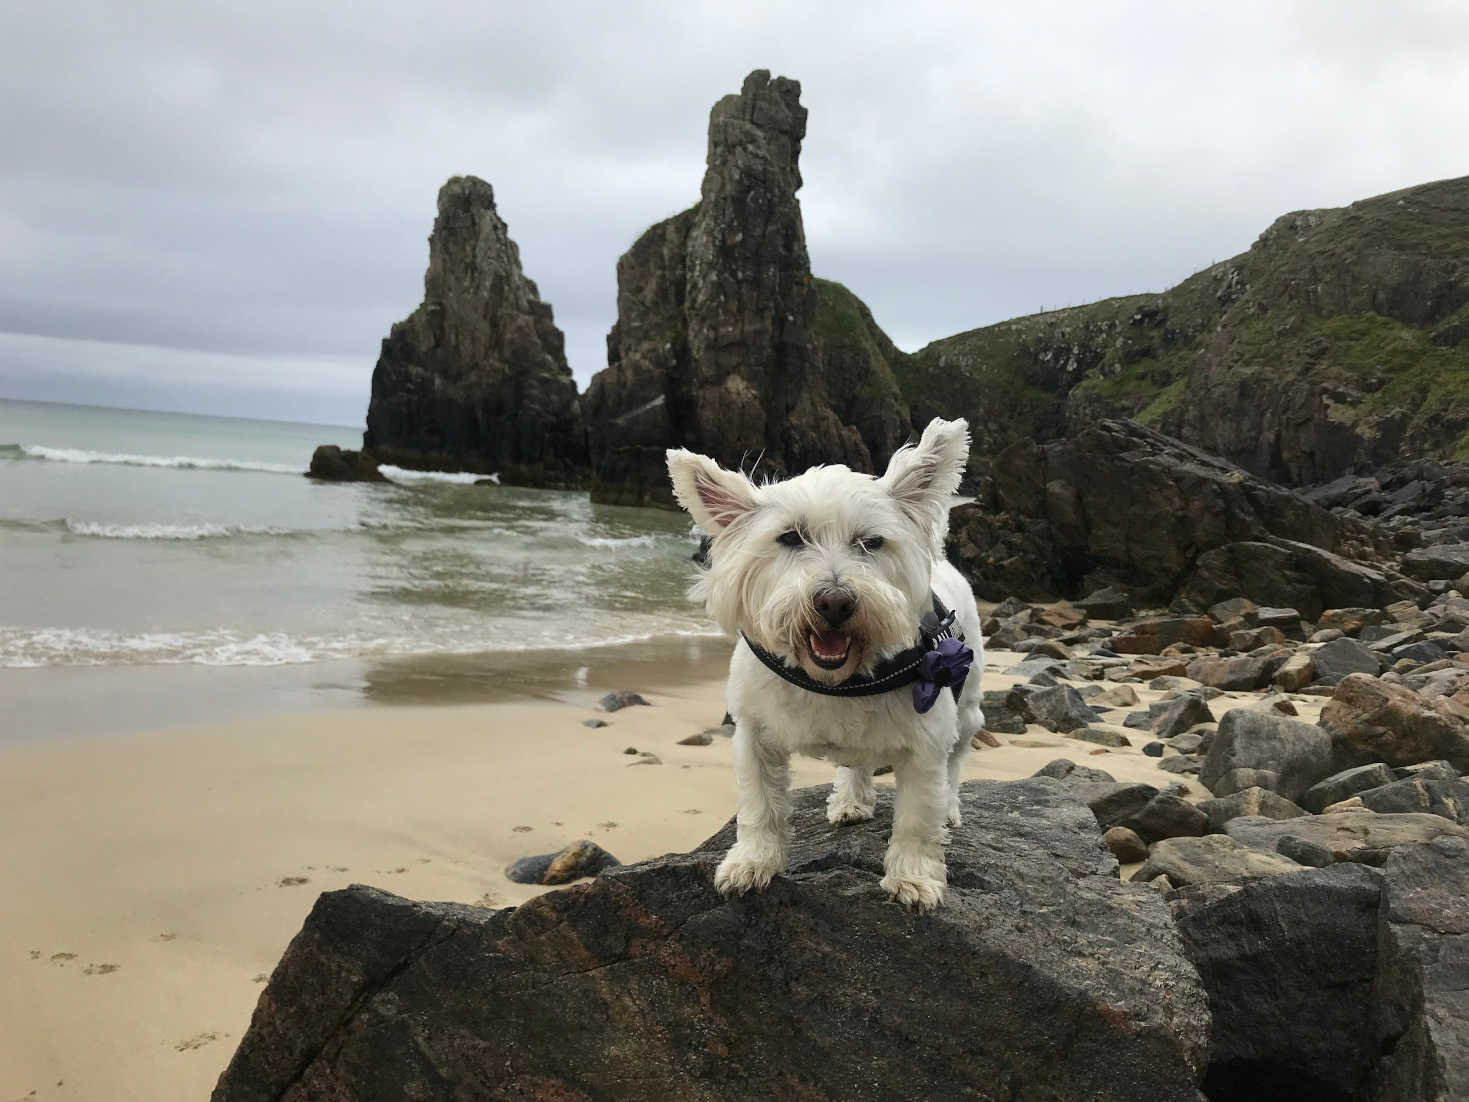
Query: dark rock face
(1422,1010)
(644,984)
(1344,785)
(1334,660)
(1353,835)
(723,343)
(1122,504)
(332,464)
(476,378)
(1289,963)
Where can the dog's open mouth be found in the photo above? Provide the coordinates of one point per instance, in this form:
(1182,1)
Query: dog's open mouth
(829,649)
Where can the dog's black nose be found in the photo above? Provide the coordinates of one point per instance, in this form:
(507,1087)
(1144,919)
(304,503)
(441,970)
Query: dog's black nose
(835,605)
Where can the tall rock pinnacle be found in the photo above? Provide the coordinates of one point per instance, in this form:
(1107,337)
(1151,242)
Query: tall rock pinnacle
(476,378)
(723,342)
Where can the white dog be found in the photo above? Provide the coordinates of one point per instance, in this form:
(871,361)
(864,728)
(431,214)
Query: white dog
(827,578)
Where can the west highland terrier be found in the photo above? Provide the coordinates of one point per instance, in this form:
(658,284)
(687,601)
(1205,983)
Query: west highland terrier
(852,629)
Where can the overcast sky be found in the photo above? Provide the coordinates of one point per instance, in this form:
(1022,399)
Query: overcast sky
(222,207)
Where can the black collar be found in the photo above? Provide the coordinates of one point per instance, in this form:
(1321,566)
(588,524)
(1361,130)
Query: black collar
(892,673)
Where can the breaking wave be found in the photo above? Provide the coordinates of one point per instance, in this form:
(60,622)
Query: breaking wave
(127,459)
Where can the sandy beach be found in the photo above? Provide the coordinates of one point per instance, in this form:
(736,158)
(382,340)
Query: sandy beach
(152,880)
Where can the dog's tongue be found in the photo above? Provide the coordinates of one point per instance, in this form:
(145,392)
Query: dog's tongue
(828,644)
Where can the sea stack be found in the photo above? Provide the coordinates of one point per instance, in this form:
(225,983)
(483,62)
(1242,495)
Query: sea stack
(723,342)
(476,378)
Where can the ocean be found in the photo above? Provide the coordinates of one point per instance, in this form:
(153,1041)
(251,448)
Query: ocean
(137,543)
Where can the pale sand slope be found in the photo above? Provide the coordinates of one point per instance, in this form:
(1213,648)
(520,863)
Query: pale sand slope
(151,882)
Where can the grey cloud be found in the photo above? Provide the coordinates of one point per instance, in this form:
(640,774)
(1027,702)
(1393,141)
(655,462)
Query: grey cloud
(258,179)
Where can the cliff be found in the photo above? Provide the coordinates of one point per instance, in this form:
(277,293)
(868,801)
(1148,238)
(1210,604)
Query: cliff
(476,378)
(723,342)
(1339,341)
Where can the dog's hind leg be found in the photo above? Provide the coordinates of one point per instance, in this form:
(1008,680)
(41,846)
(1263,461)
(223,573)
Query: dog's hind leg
(762,778)
(852,798)
(914,863)
(970,721)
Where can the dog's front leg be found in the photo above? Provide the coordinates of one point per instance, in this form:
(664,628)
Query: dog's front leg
(914,863)
(762,778)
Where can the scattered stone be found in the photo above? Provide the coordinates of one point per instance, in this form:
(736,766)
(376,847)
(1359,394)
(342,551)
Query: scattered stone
(1125,845)
(1103,734)
(1166,816)
(1434,795)
(1178,713)
(1244,673)
(595,723)
(1153,636)
(1248,801)
(1237,780)
(1253,638)
(1300,754)
(631,750)
(701,738)
(1187,764)
(982,739)
(1155,749)
(1189,742)
(1118,696)
(1064,769)
(1148,670)
(1349,621)
(619,699)
(1059,709)
(1107,603)
(1326,635)
(1313,855)
(1298,671)
(1280,705)
(1380,721)
(1000,715)
(1341,786)
(1337,659)
(583,858)
(1064,615)
(1211,857)
(1352,835)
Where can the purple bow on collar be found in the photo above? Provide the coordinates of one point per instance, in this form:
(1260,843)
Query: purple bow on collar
(946,665)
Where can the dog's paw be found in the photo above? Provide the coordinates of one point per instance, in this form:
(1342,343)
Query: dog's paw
(955,817)
(919,894)
(840,809)
(738,874)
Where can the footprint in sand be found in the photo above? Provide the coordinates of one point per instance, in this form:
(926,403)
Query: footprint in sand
(693,811)
(522,829)
(607,825)
(340,868)
(488,901)
(167,935)
(62,958)
(198,1040)
(292,881)
(100,969)
(259,977)
(35,954)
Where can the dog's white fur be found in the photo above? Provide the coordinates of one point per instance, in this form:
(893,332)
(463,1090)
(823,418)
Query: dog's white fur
(762,587)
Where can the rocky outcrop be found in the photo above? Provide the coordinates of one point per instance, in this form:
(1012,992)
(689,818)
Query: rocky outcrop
(723,342)
(476,378)
(333,464)
(1044,977)
(1340,340)
(1119,503)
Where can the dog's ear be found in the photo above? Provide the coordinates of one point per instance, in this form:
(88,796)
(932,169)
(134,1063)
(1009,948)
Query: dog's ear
(713,496)
(923,477)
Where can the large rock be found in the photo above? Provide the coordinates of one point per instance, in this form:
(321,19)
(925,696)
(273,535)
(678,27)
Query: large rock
(1207,859)
(1289,963)
(1044,977)
(333,464)
(476,378)
(1352,835)
(1379,721)
(1241,673)
(1299,753)
(1421,1004)
(1335,660)
(1058,517)
(1446,796)
(1250,801)
(1343,785)
(1445,560)
(723,342)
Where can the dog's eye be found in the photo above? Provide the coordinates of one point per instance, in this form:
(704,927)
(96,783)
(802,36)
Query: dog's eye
(790,538)
(870,543)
